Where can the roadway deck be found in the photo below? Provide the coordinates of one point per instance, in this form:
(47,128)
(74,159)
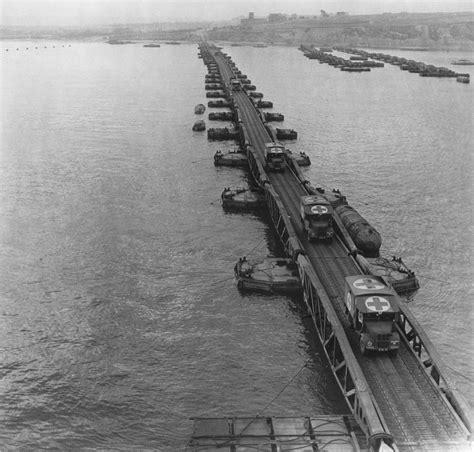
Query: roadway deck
(416,412)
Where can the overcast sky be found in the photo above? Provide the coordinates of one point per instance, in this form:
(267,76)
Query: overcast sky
(93,12)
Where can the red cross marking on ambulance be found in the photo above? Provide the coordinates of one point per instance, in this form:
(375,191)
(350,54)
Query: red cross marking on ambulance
(319,210)
(368,283)
(377,304)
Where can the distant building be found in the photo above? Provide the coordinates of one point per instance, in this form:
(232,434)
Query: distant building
(277,17)
(342,13)
(251,21)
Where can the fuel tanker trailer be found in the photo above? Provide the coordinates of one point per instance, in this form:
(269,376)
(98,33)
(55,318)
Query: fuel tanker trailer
(365,237)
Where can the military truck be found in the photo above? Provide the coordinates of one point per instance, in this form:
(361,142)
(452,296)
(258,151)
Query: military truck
(373,310)
(316,216)
(235,84)
(275,159)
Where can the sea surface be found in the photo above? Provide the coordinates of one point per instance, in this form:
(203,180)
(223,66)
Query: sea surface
(120,316)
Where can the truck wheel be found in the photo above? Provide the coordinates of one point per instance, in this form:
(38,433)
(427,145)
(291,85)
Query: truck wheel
(363,348)
(393,353)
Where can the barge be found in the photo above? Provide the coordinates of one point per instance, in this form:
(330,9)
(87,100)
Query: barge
(393,270)
(269,275)
(224,133)
(231,158)
(463,62)
(301,158)
(242,198)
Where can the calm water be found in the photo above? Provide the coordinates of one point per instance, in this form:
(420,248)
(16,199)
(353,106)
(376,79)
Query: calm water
(120,316)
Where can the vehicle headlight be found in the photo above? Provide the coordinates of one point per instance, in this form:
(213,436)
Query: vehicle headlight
(394,342)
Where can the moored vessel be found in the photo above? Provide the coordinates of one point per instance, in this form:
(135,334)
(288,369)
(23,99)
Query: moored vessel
(199,126)
(463,62)
(199,109)
(231,158)
(271,275)
(463,79)
(300,157)
(242,198)
(393,270)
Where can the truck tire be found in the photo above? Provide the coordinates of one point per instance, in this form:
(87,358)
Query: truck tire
(351,321)
(363,348)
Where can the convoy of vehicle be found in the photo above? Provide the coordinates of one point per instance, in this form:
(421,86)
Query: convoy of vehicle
(316,216)
(371,303)
(373,310)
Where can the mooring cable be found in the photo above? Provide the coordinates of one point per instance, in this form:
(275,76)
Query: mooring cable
(259,414)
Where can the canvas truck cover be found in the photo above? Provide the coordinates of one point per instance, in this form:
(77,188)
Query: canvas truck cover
(316,205)
(372,295)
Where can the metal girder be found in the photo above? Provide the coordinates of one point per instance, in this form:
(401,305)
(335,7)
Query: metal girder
(416,338)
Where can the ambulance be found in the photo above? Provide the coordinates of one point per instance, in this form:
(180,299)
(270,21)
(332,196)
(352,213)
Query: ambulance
(373,310)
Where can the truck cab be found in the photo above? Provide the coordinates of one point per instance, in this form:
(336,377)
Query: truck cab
(316,216)
(275,159)
(235,84)
(373,310)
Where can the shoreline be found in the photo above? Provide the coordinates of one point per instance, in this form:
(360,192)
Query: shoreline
(103,39)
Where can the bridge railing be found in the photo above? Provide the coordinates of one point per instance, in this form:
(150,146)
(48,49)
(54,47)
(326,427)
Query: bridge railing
(416,338)
(282,223)
(256,167)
